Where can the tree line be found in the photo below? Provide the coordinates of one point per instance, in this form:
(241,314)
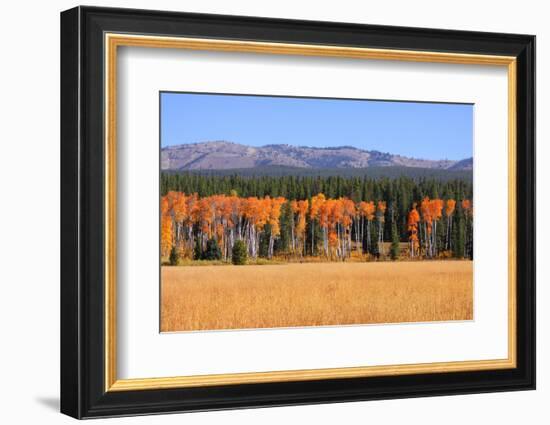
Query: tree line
(401,189)
(334,228)
(399,193)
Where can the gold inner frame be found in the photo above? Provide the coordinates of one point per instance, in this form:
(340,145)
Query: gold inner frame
(113,41)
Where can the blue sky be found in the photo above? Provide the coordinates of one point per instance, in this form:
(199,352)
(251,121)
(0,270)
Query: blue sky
(420,130)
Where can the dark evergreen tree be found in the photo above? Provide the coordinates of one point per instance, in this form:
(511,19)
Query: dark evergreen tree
(238,254)
(458,235)
(264,241)
(394,250)
(282,244)
(374,248)
(213,251)
(174,257)
(197,250)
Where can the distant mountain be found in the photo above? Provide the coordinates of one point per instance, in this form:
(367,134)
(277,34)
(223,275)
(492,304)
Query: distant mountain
(465,164)
(222,155)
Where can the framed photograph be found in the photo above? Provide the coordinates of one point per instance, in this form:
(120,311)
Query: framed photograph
(261,212)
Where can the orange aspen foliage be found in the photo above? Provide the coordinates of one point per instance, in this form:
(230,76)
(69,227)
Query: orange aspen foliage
(275,214)
(206,216)
(380,211)
(179,207)
(166,234)
(324,211)
(193,208)
(171,197)
(219,232)
(412,226)
(348,209)
(426,213)
(436,206)
(413,218)
(381,207)
(367,210)
(164,206)
(316,203)
(467,207)
(264,211)
(333,239)
(251,209)
(450,207)
(302,207)
(431,213)
(336,212)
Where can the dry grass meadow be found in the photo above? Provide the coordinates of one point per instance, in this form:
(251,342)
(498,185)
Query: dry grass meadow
(267,296)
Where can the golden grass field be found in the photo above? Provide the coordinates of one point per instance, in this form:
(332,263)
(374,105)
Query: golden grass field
(321,294)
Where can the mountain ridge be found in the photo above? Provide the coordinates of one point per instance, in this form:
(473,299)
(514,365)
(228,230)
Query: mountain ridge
(222,155)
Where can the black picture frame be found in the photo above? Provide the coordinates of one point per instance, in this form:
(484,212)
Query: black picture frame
(82,212)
